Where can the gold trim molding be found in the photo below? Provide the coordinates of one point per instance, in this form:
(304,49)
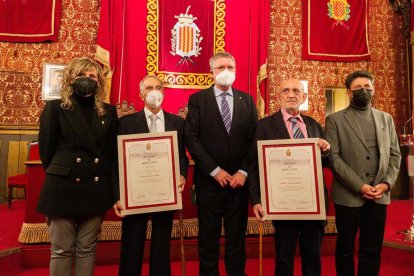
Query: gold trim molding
(182,80)
(19,130)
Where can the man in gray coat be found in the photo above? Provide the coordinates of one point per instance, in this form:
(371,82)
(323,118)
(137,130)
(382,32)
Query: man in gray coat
(365,158)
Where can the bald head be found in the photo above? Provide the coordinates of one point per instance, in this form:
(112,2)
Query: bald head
(292,95)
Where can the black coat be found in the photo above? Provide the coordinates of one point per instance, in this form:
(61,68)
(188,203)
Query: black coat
(78,160)
(206,136)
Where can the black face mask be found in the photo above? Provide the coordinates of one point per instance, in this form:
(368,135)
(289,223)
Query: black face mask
(85,86)
(361,98)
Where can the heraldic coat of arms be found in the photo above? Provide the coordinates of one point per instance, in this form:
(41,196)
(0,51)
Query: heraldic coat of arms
(339,10)
(186,38)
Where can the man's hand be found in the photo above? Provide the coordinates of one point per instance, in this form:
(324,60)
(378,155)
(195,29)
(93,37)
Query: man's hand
(324,146)
(382,187)
(238,180)
(373,192)
(258,211)
(223,178)
(379,189)
(118,208)
(182,183)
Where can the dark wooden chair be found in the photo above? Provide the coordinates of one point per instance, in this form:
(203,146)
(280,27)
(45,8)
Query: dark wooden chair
(21,180)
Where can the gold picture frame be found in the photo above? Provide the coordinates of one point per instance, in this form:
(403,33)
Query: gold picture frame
(51,81)
(149,172)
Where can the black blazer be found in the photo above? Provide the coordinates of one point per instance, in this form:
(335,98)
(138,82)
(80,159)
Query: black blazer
(207,139)
(272,128)
(77,160)
(137,123)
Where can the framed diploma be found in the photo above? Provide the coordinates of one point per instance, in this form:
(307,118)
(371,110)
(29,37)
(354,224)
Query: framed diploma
(149,172)
(291,179)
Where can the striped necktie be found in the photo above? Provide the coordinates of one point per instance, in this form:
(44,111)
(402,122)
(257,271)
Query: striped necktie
(296,132)
(225,111)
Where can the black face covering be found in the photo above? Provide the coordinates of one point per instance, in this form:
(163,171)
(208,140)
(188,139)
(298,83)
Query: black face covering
(361,98)
(85,86)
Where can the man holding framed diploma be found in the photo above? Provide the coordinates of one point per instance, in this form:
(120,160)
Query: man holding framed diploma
(153,166)
(291,190)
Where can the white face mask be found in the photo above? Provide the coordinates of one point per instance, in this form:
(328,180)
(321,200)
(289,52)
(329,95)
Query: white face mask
(154,98)
(225,77)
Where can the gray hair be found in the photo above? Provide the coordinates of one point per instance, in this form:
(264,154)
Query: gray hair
(141,83)
(220,55)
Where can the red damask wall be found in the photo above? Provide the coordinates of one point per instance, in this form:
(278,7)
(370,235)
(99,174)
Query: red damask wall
(21,63)
(388,59)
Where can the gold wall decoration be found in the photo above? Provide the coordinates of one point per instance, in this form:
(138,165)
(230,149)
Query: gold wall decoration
(178,79)
(388,60)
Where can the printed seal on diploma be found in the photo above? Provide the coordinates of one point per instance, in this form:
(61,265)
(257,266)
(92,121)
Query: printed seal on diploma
(149,172)
(291,179)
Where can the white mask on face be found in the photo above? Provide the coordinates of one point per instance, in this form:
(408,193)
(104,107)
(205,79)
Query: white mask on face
(225,77)
(154,98)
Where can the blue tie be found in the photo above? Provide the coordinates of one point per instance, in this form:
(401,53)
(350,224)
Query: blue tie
(225,111)
(297,133)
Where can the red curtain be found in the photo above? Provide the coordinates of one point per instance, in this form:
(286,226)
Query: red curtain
(335,30)
(202,13)
(30,21)
(122,46)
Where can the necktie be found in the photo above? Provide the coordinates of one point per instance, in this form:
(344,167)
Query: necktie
(297,133)
(153,126)
(225,111)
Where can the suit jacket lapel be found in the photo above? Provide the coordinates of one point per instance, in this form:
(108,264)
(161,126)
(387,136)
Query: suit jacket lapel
(76,119)
(378,127)
(141,125)
(310,128)
(353,123)
(237,106)
(169,126)
(211,101)
(280,125)
(98,130)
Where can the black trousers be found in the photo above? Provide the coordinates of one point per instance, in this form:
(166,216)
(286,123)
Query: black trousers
(216,204)
(309,233)
(134,228)
(369,219)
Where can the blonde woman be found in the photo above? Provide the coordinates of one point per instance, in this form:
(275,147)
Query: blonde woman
(77,143)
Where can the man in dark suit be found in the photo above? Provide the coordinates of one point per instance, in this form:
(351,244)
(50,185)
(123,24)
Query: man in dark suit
(288,123)
(134,227)
(218,131)
(365,159)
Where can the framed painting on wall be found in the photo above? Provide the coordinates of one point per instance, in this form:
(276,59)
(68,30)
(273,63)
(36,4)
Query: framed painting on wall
(52,81)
